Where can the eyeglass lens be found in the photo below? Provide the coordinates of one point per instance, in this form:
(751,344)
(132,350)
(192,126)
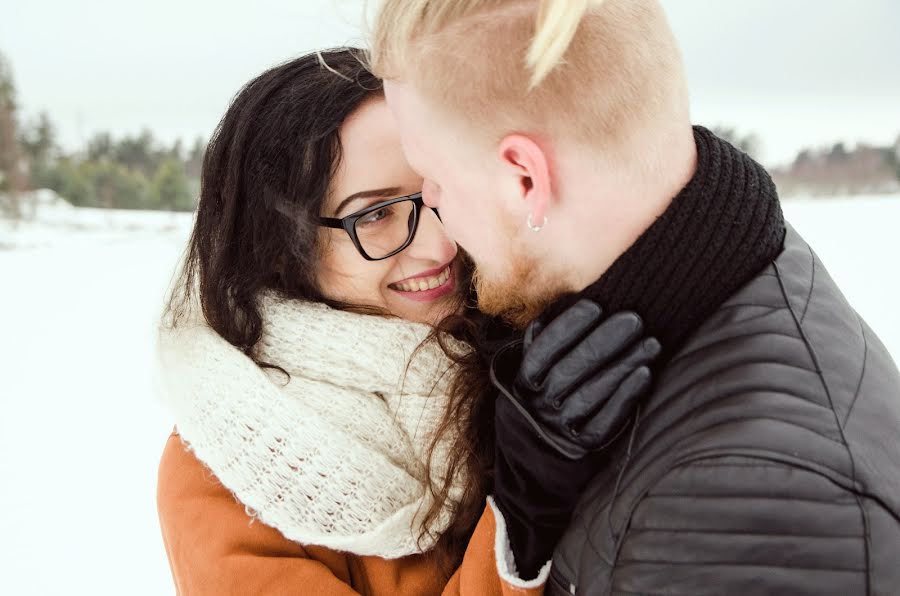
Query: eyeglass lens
(383,231)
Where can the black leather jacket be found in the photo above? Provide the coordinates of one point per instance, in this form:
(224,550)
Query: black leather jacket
(765,461)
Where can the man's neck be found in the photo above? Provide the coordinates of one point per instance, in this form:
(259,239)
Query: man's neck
(720,230)
(642,201)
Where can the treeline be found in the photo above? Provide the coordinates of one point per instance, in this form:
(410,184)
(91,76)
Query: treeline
(139,172)
(839,171)
(132,172)
(829,171)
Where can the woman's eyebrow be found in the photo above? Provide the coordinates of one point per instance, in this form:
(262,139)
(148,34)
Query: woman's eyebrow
(386,193)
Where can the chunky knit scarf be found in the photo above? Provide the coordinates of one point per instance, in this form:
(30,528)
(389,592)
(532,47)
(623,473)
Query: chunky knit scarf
(336,455)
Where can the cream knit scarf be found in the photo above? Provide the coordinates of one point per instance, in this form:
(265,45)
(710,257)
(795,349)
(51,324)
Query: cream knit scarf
(336,456)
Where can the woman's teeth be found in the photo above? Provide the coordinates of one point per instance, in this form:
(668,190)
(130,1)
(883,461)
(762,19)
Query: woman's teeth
(424,283)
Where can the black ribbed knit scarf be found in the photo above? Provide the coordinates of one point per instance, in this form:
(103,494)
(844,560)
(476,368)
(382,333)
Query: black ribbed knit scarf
(721,230)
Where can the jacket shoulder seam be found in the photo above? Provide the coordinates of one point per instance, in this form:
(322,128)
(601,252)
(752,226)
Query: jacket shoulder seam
(840,427)
(862,373)
(815,361)
(812,285)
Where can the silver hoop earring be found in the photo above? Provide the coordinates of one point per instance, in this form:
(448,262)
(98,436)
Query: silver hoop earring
(535,228)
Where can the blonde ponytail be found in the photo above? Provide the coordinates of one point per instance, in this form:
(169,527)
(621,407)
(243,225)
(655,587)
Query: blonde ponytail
(557,22)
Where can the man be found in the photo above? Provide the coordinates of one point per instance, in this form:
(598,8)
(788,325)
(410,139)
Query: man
(554,137)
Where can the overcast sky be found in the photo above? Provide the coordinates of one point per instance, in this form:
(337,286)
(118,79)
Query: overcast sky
(797,72)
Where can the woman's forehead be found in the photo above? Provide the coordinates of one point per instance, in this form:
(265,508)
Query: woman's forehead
(371,155)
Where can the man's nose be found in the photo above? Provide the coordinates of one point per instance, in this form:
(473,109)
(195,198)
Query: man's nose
(430,194)
(431,241)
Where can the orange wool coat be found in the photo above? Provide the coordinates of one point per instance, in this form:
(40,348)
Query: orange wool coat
(216,549)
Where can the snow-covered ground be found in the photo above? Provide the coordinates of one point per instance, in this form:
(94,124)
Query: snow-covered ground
(80,429)
(81,432)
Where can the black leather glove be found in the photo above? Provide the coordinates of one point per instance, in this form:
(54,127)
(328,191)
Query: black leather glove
(567,391)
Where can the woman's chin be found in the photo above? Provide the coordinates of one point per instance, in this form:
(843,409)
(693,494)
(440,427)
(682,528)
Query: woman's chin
(430,313)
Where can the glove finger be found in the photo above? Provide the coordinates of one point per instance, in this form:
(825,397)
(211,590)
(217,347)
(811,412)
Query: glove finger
(607,423)
(531,332)
(601,347)
(591,398)
(556,340)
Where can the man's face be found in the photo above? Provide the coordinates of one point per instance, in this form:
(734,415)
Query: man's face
(480,205)
(457,175)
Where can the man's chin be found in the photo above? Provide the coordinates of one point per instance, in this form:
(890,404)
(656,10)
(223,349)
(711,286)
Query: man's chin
(517,299)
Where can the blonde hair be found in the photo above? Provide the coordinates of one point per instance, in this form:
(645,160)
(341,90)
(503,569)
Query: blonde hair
(597,70)
(557,22)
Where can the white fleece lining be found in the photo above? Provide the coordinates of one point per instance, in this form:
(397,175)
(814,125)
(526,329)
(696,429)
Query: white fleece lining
(506,562)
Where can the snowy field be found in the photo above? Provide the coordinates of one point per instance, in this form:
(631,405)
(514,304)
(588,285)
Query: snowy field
(81,432)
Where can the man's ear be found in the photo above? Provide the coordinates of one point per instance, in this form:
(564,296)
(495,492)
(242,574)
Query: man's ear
(531,164)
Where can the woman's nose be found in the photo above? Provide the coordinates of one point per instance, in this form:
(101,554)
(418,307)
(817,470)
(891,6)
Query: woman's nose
(431,241)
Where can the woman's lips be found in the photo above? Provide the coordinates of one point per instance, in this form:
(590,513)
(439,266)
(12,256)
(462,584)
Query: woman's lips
(425,274)
(438,286)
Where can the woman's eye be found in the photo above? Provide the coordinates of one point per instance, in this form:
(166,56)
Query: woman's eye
(375,216)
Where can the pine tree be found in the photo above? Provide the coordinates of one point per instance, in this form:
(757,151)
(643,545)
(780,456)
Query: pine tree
(171,187)
(100,146)
(38,142)
(194,163)
(12,180)
(897,156)
(140,153)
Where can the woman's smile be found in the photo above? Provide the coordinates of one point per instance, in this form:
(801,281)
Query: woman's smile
(427,286)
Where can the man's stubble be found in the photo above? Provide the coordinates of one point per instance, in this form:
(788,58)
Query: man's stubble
(521,293)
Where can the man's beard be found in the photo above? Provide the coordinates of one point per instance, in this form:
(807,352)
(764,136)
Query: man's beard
(520,295)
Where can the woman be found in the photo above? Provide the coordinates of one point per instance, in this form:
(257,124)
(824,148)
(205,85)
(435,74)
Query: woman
(328,440)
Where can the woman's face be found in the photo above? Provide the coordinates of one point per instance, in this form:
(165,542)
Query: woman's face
(373,169)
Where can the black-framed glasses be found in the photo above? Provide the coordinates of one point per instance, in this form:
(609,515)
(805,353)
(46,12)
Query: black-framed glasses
(381,230)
